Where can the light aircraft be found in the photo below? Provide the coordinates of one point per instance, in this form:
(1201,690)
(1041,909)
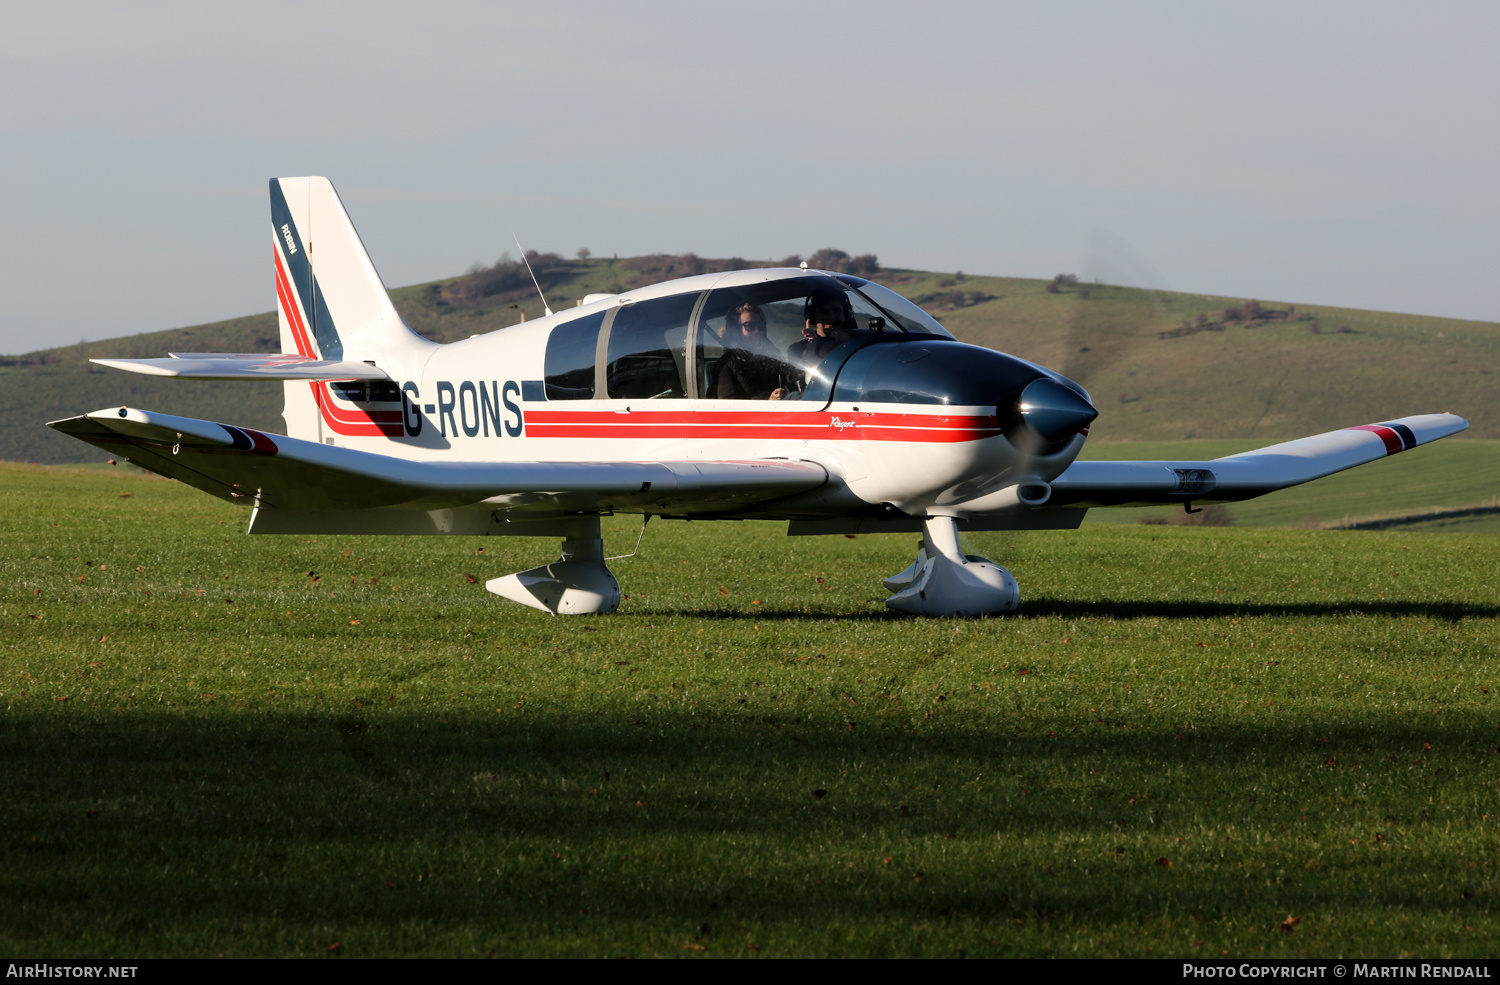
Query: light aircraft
(817,398)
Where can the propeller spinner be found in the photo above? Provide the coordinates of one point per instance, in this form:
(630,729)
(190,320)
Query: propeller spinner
(1047,413)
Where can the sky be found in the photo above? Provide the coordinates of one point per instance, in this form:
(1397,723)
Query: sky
(1308,152)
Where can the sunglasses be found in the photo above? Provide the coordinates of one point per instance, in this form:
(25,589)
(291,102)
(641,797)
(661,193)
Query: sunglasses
(757,326)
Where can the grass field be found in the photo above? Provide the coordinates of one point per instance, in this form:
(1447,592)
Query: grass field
(1189,742)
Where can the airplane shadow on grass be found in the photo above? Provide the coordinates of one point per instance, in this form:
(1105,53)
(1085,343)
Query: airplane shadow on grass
(1109,609)
(236,831)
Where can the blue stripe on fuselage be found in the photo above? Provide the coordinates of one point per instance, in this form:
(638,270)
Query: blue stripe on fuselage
(294,253)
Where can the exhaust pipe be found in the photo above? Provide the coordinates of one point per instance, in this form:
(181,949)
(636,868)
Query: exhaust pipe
(1028,492)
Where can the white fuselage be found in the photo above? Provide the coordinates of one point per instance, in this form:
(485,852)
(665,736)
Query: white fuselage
(483,399)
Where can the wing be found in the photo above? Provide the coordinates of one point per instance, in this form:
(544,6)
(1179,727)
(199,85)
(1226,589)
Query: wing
(277,473)
(247,366)
(1245,476)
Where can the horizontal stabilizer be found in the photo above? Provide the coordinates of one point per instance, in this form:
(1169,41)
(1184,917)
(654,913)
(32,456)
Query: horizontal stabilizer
(1247,475)
(247,366)
(273,471)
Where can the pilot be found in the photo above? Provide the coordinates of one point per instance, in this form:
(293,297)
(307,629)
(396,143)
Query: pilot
(830,320)
(751,369)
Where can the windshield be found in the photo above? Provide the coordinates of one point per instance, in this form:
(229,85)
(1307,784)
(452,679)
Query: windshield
(906,315)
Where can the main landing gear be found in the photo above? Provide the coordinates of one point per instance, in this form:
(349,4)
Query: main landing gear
(943,581)
(578,583)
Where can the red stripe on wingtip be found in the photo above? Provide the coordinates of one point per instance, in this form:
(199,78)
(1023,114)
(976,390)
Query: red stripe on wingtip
(1392,440)
(263,444)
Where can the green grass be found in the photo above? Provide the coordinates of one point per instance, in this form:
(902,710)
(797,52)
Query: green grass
(209,756)
(1448,474)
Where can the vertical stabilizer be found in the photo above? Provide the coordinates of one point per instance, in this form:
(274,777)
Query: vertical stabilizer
(331,301)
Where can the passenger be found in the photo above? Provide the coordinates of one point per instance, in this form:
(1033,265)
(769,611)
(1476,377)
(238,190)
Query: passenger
(751,368)
(830,321)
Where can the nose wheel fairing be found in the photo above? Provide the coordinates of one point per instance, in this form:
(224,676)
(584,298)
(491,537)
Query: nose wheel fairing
(943,581)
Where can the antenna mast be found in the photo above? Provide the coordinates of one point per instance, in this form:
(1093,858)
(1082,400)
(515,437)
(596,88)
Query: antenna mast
(539,293)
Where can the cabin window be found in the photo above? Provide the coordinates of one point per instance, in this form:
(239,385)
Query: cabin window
(570,358)
(647,356)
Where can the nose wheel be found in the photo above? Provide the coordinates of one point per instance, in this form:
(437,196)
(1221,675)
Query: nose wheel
(943,581)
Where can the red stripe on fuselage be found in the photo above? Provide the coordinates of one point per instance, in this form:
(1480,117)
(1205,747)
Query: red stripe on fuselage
(1391,438)
(806,425)
(358,423)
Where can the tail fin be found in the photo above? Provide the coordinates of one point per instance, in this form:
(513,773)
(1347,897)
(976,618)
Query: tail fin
(331,301)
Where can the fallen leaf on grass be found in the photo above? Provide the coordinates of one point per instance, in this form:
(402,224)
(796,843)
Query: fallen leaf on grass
(1289,923)
(694,947)
(354,622)
(1164,862)
(470,579)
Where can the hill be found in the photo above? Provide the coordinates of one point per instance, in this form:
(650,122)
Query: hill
(1162,366)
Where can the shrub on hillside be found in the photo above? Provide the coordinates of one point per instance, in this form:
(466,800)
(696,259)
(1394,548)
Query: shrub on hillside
(840,262)
(507,279)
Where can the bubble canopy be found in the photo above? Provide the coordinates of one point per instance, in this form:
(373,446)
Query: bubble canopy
(775,336)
